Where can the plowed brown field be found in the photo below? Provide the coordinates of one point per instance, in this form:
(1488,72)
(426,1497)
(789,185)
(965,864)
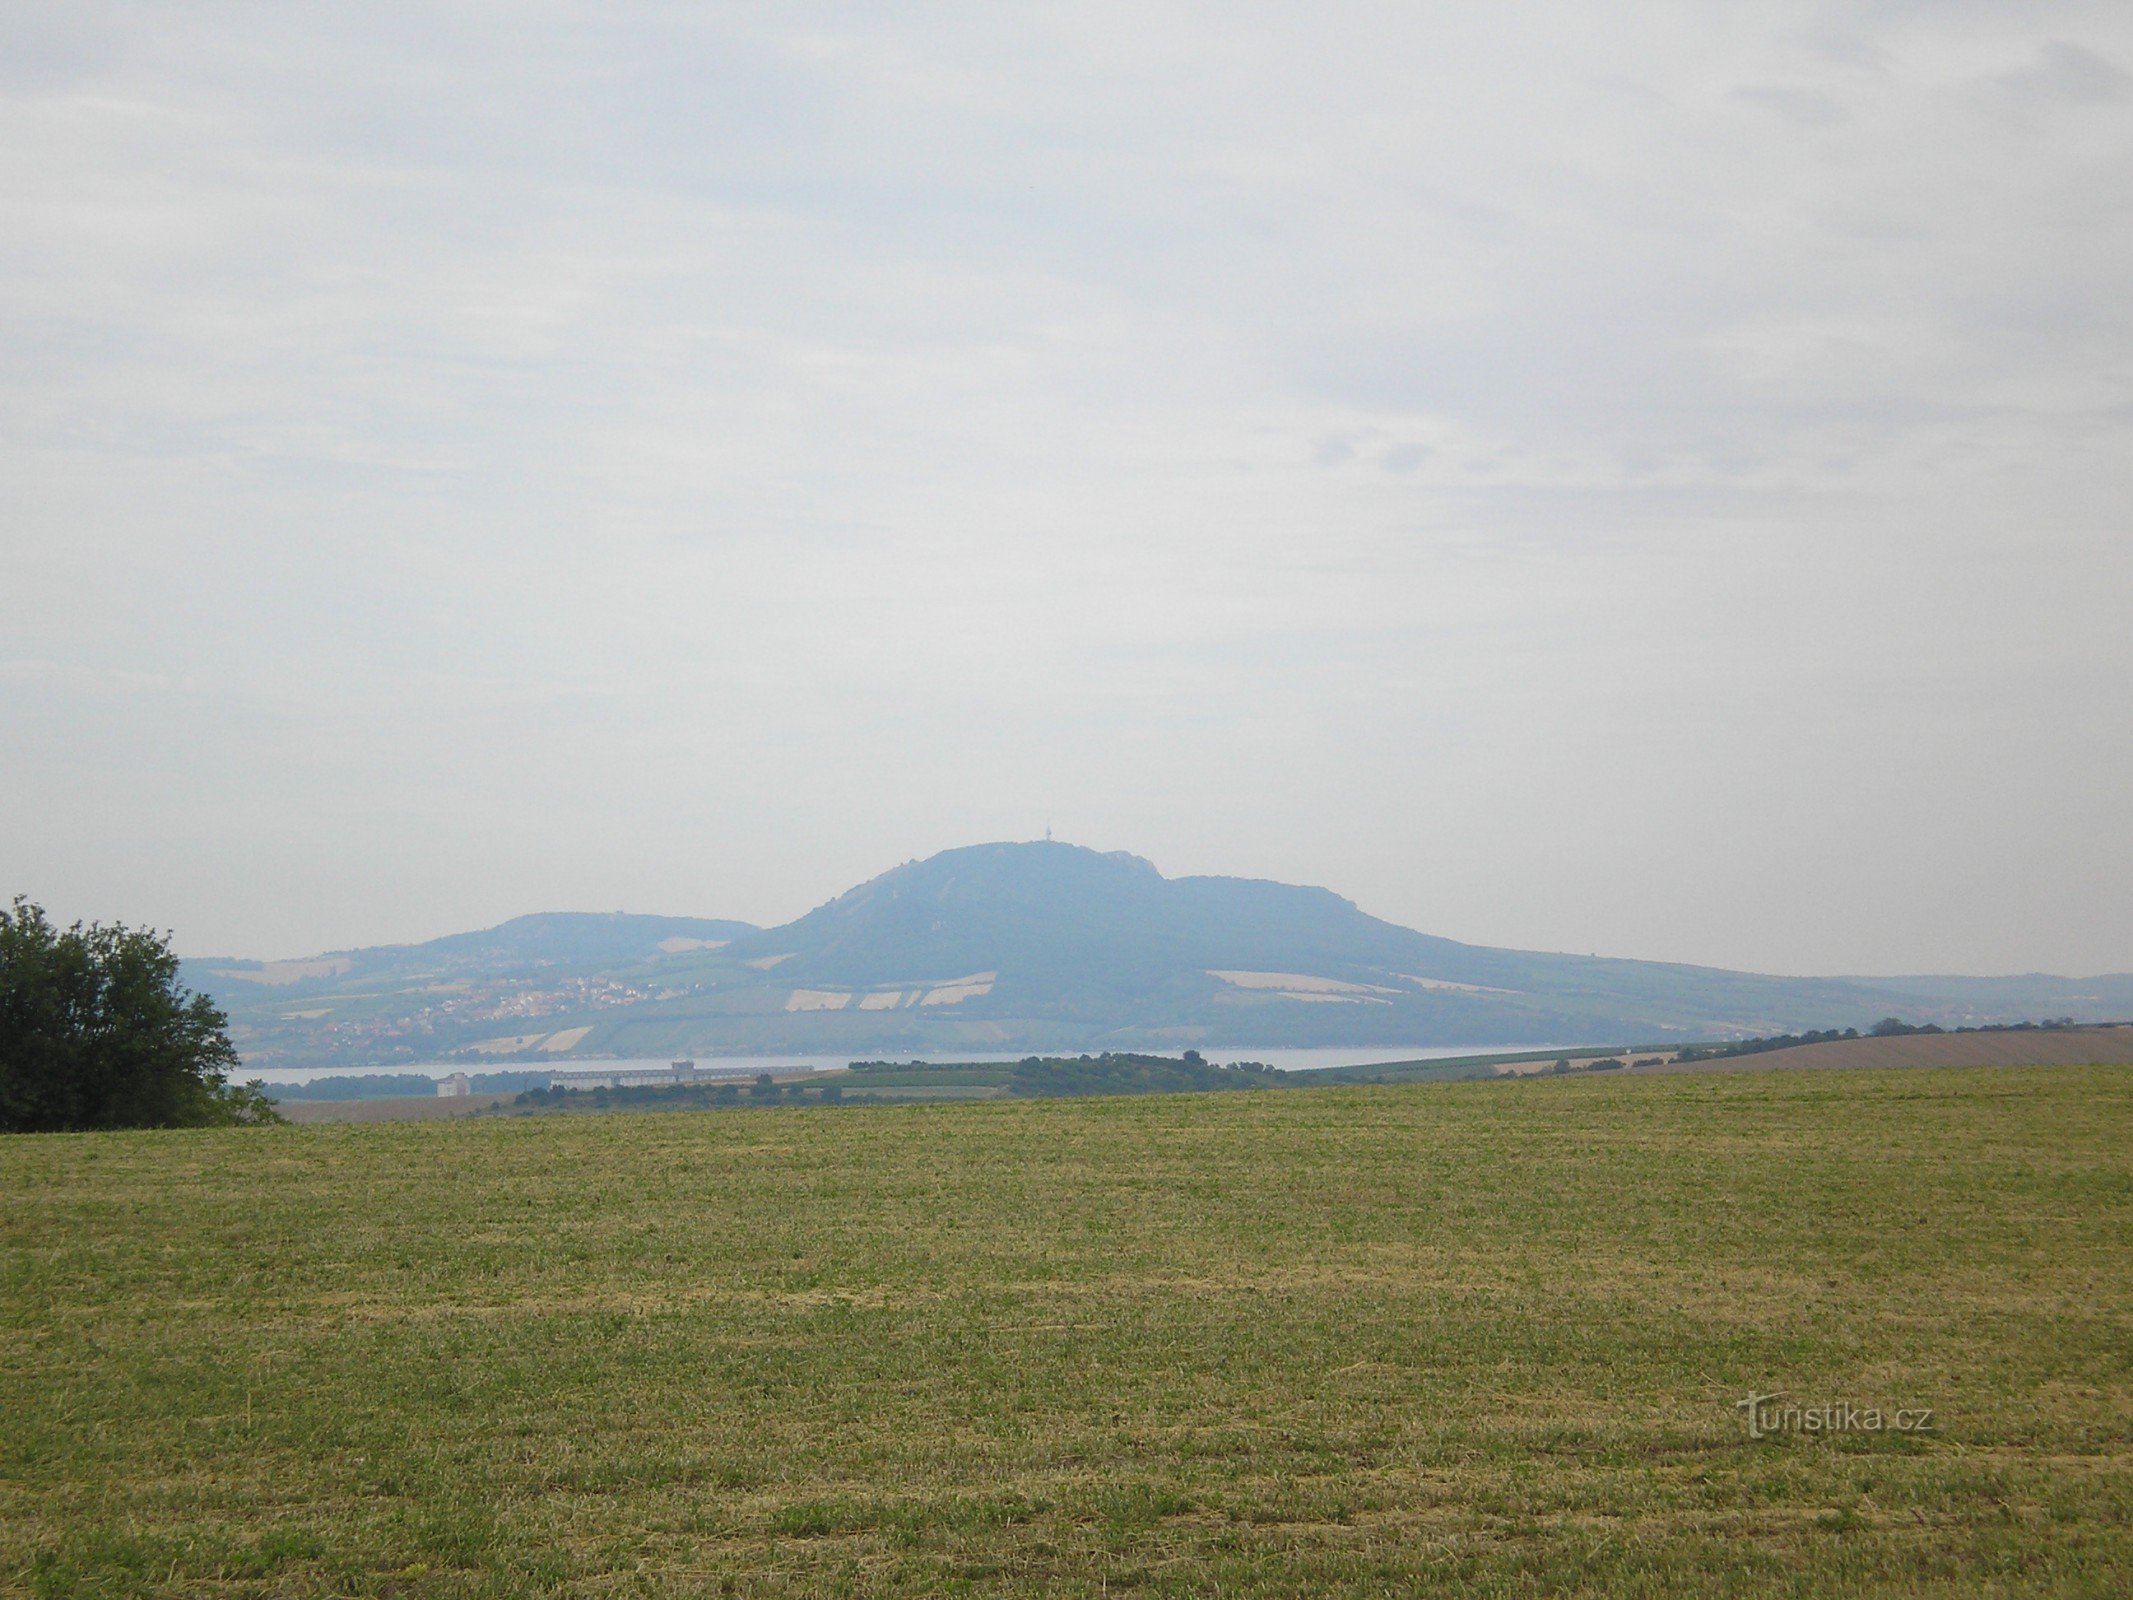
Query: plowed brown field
(2030,1047)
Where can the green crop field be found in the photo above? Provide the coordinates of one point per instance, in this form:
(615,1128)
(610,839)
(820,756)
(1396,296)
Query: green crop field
(1349,1341)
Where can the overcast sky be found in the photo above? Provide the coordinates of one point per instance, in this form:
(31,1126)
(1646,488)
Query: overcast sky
(1661,487)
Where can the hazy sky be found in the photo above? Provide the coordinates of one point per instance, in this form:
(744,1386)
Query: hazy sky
(1654,480)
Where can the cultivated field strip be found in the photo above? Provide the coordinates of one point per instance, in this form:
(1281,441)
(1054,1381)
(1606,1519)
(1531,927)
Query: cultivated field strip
(1999,1047)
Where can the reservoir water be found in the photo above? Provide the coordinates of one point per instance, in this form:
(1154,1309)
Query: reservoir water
(1289,1060)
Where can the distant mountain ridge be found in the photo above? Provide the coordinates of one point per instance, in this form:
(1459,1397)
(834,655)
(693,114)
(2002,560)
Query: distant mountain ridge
(542,938)
(1043,946)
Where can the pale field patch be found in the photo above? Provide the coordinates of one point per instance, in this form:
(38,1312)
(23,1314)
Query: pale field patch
(566,1039)
(277,973)
(956,990)
(516,1041)
(817,1000)
(1297,983)
(1463,988)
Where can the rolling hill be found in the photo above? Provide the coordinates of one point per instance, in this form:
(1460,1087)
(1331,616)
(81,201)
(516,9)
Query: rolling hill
(1039,946)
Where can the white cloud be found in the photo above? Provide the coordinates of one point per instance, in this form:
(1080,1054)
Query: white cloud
(1518,467)
(2067,73)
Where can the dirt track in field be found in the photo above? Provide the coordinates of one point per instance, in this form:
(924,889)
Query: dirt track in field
(2030,1047)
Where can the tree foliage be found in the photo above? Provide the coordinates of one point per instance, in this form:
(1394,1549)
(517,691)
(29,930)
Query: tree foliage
(97,1032)
(1038,1077)
(1756,1047)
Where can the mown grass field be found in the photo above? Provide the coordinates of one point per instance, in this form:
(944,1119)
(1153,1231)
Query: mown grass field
(1363,1341)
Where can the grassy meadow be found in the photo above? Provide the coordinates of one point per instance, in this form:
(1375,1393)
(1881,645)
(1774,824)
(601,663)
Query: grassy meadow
(1485,1337)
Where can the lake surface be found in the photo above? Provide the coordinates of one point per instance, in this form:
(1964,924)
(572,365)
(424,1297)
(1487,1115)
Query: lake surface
(1287,1060)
